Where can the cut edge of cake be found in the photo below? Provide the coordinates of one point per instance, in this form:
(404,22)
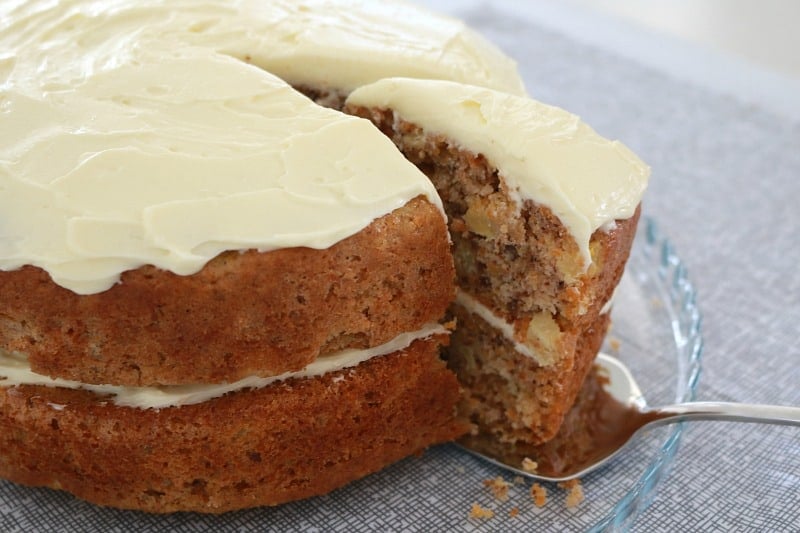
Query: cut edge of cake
(534,282)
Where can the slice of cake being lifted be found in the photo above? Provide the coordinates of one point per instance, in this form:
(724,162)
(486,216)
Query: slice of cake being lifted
(542,212)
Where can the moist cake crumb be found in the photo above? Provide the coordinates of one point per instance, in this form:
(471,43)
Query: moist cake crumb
(614,343)
(529,465)
(539,495)
(499,488)
(479,512)
(575,494)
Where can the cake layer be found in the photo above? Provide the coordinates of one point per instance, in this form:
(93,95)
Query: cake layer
(584,434)
(513,401)
(243,314)
(585,427)
(288,441)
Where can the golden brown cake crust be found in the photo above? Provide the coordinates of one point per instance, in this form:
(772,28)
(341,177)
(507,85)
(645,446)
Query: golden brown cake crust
(242,314)
(284,442)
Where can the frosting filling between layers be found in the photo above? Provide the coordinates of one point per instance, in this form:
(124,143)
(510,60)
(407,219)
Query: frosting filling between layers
(15,370)
(543,153)
(472,305)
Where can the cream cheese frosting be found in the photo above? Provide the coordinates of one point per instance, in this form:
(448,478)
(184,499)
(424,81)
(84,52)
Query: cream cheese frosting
(15,370)
(474,306)
(159,131)
(543,153)
(471,304)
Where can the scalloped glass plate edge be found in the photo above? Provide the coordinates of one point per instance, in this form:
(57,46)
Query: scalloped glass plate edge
(679,296)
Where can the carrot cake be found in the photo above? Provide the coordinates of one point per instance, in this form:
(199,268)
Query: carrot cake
(216,293)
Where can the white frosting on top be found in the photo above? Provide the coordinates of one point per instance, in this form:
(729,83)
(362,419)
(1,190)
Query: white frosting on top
(543,153)
(15,370)
(135,132)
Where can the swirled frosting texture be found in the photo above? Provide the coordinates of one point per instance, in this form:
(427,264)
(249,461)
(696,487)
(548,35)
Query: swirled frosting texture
(161,131)
(543,153)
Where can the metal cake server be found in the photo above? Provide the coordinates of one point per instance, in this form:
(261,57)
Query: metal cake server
(637,415)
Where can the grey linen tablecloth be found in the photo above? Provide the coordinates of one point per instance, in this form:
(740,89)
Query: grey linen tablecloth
(724,189)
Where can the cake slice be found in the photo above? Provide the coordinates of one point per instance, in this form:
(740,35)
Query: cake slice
(542,213)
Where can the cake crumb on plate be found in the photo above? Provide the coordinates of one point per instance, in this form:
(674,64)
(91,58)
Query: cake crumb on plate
(499,488)
(575,494)
(479,512)
(529,465)
(539,495)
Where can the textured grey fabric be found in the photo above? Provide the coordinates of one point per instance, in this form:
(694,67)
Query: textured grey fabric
(726,180)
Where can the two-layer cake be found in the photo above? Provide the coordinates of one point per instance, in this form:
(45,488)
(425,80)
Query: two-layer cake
(217,294)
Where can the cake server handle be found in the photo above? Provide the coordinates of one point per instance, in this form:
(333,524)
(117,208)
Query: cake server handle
(731,411)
